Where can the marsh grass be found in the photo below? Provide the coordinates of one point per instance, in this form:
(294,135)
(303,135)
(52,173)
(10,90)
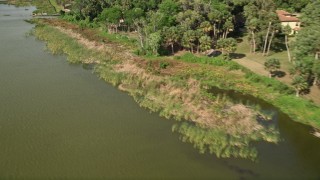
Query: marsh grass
(218,125)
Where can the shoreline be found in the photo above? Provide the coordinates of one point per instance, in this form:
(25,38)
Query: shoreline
(178,91)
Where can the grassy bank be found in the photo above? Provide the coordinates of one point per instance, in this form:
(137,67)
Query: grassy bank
(247,82)
(176,91)
(43,6)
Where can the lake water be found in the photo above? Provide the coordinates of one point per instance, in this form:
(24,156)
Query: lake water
(60,121)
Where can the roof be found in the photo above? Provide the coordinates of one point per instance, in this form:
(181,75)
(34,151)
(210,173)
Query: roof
(284,16)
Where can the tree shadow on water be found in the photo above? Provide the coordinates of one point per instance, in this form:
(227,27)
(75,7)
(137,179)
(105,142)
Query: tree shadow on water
(242,171)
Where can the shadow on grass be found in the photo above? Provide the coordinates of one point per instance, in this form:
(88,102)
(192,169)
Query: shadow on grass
(305,92)
(237,55)
(279,74)
(214,53)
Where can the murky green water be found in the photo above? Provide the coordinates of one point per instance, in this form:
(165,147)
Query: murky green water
(60,121)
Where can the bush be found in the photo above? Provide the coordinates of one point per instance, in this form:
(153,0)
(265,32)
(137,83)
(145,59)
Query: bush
(164,65)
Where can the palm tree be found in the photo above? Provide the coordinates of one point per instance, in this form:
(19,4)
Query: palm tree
(171,36)
(188,39)
(205,43)
(206,27)
(272,65)
(252,26)
(299,84)
(287,31)
(227,46)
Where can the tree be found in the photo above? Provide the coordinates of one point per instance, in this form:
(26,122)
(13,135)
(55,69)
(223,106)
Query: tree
(227,46)
(199,33)
(111,16)
(275,28)
(252,26)
(189,19)
(131,15)
(89,8)
(206,27)
(272,65)
(308,39)
(303,67)
(316,72)
(141,30)
(260,17)
(311,13)
(307,42)
(153,41)
(286,31)
(228,26)
(205,43)
(188,39)
(171,36)
(299,84)
(170,9)
(155,20)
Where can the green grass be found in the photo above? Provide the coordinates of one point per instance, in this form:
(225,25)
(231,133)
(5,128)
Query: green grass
(243,48)
(57,7)
(120,38)
(268,89)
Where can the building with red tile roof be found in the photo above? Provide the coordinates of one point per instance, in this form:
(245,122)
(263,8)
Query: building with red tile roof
(287,18)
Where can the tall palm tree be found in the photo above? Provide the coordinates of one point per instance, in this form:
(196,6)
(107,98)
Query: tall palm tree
(287,31)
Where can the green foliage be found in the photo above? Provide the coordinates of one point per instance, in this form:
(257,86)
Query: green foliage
(276,85)
(111,15)
(164,64)
(300,84)
(59,43)
(205,43)
(299,109)
(153,42)
(227,45)
(311,13)
(169,8)
(133,14)
(292,5)
(217,61)
(272,65)
(170,36)
(188,39)
(286,30)
(219,142)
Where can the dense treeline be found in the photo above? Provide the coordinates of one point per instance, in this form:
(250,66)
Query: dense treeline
(306,65)
(165,26)
(169,24)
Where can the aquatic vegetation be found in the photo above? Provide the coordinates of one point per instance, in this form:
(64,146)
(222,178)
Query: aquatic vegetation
(177,91)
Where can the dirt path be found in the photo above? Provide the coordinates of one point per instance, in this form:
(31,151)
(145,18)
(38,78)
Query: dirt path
(258,68)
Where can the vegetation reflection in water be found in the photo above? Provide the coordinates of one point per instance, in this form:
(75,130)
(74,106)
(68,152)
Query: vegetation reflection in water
(224,145)
(219,139)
